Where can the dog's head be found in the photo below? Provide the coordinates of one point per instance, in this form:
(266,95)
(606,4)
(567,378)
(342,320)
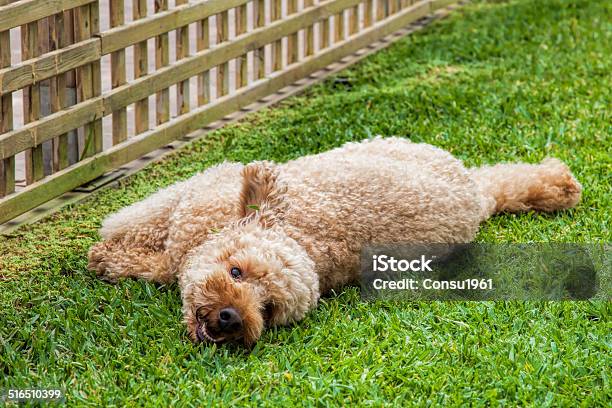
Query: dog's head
(251,274)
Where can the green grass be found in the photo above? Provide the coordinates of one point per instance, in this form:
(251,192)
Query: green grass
(500,81)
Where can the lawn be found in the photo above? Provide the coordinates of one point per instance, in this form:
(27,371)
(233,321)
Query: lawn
(496,81)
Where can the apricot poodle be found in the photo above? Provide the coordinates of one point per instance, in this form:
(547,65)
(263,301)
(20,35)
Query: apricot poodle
(256,245)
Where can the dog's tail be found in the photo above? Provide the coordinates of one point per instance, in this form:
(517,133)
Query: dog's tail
(547,186)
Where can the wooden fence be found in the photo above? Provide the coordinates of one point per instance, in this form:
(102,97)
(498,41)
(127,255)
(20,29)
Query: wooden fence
(78,100)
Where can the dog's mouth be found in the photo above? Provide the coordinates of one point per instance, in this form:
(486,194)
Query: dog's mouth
(204,335)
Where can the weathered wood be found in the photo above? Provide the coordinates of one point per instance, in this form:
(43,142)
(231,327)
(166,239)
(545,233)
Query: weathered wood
(88,79)
(241,61)
(36,69)
(324,27)
(381,6)
(27,11)
(118,77)
(437,4)
(162,59)
(354,20)
(57,40)
(7,165)
(259,55)
(309,33)
(141,68)
(90,110)
(392,6)
(34,166)
(368,9)
(292,40)
(182,51)
(91,168)
(208,59)
(71,88)
(34,133)
(339,27)
(277,46)
(223,68)
(165,20)
(202,44)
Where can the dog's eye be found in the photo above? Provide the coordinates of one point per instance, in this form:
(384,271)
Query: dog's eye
(236,273)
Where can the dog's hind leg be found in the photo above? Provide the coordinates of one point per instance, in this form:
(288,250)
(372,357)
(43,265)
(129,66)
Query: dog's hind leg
(547,186)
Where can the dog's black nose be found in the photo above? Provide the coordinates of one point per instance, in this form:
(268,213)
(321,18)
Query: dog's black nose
(230,320)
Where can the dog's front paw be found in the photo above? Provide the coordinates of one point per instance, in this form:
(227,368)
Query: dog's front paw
(98,262)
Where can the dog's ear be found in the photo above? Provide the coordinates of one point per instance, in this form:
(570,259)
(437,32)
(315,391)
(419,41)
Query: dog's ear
(262,194)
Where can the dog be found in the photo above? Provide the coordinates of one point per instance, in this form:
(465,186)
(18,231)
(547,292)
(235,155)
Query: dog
(256,245)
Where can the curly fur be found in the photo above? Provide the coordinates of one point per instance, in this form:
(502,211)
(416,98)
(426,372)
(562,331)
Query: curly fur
(295,230)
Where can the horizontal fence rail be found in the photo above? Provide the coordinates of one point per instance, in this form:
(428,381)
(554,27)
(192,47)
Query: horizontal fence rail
(77,101)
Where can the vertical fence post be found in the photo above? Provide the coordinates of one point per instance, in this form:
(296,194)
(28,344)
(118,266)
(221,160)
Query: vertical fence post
(162,59)
(88,76)
(141,68)
(34,167)
(57,40)
(380,9)
(117,18)
(241,61)
(324,26)
(309,33)
(182,51)
(339,27)
(259,56)
(292,40)
(277,46)
(367,13)
(222,21)
(354,20)
(7,165)
(392,6)
(203,43)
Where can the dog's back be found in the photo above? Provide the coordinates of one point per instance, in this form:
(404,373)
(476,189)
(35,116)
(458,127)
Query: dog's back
(379,191)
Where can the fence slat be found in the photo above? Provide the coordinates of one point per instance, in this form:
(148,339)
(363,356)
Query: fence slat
(141,68)
(34,166)
(259,55)
(182,51)
(241,61)
(308,33)
(339,27)
(91,168)
(162,22)
(324,27)
(7,165)
(57,40)
(292,41)
(354,20)
(222,21)
(46,66)
(118,77)
(27,11)
(277,46)
(367,13)
(162,59)
(88,82)
(203,43)
(380,9)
